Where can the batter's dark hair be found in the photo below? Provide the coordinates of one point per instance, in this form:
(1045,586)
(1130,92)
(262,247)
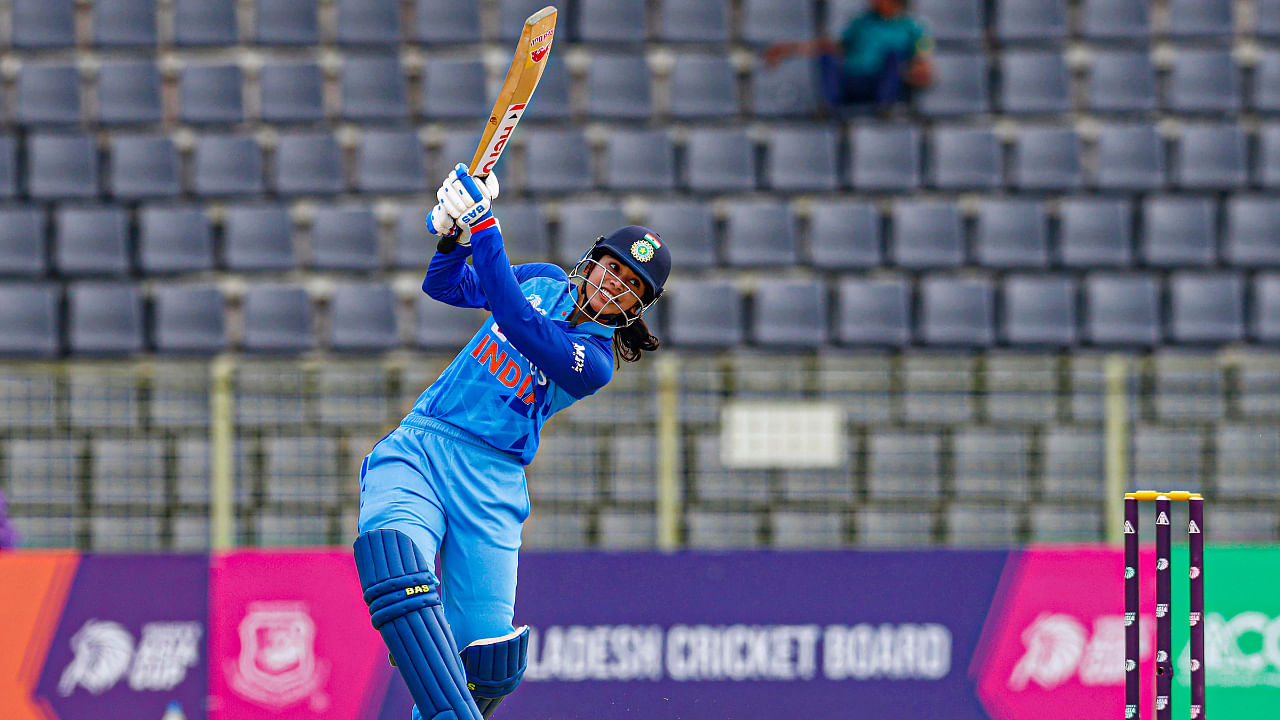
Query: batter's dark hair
(631,341)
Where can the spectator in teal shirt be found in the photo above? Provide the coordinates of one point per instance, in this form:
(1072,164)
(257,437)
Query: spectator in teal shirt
(880,58)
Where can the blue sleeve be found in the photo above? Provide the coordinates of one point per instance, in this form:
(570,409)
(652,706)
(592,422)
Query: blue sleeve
(450,280)
(578,367)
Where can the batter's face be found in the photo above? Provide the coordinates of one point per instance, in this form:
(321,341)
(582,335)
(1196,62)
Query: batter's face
(614,280)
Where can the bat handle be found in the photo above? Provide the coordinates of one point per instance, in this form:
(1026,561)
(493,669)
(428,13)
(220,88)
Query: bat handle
(447,244)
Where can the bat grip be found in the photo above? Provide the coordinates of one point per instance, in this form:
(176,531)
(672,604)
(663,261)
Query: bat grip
(447,244)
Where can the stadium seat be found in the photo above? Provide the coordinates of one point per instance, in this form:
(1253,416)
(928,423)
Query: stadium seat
(344,238)
(1267,162)
(903,465)
(454,88)
(1211,157)
(1169,456)
(719,160)
(807,530)
(1121,21)
(144,166)
(308,163)
(1095,232)
(438,23)
(875,313)
(1203,81)
(277,319)
(703,86)
(789,314)
(524,232)
(48,94)
(759,233)
(1034,82)
(30,322)
(1073,462)
(1267,19)
(1039,310)
(1200,19)
(973,525)
(768,21)
(802,159)
(788,89)
(443,327)
(368,23)
(174,239)
(581,222)
(616,22)
(1047,158)
(1012,233)
(8,167)
(639,160)
(129,93)
(205,22)
(618,87)
(458,146)
(557,160)
(22,241)
(693,21)
(1265,94)
(952,22)
(92,241)
(128,471)
(43,24)
(551,102)
(287,22)
(373,89)
(258,237)
(1122,81)
(1178,231)
(362,318)
(390,161)
(956,312)
(188,320)
(960,85)
(894,527)
(1031,21)
(965,159)
(1264,323)
(1130,157)
(991,464)
(1058,524)
(512,14)
(885,158)
(414,246)
(227,165)
(1252,231)
(687,229)
(292,93)
(704,314)
(1122,310)
(104,318)
(1247,461)
(1206,308)
(210,95)
(844,235)
(927,234)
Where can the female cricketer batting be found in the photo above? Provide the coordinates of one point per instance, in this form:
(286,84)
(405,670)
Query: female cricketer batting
(450,479)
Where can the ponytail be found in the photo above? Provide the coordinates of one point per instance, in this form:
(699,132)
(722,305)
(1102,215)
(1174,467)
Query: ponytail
(630,341)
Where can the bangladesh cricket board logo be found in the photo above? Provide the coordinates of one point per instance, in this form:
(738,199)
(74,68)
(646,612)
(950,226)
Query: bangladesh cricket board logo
(277,666)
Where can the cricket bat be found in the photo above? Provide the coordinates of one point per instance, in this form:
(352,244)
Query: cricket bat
(522,78)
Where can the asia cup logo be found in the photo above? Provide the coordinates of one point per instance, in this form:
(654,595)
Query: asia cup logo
(277,666)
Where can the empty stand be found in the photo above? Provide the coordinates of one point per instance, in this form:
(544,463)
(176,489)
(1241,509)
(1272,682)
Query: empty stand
(362,318)
(845,235)
(188,320)
(640,160)
(211,95)
(703,86)
(227,165)
(873,312)
(292,93)
(1039,310)
(205,22)
(174,239)
(344,238)
(92,241)
(789,314)
(1012,233)
(30,322)
(104,318)
(390,161)
(308,163)
(129,93)
(48,94)
(277,319)
(455,88)
(258,237)
(144,166)
(287,22)
(368,23)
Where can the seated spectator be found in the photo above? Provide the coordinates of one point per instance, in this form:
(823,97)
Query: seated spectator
(880,59)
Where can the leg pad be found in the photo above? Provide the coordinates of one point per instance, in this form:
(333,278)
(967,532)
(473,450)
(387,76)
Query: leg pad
(495,667)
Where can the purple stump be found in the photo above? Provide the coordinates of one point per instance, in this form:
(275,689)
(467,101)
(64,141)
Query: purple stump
(1164,619)
(1132,637)
(1195,557)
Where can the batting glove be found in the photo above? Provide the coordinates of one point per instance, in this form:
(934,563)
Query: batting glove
(439,222)
(467,200)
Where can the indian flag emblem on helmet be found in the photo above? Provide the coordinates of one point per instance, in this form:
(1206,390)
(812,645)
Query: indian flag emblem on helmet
(644,248)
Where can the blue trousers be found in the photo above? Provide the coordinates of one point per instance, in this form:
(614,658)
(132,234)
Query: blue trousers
(461,500)
(880,88)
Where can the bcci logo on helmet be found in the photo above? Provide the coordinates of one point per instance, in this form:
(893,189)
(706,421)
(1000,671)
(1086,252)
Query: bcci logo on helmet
(277,666)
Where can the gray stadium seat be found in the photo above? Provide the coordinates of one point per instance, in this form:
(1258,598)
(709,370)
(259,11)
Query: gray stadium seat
(308,163)
(687,229)
(277,320)
(440,326)
(414,246)
(885,157)
(227,165)
(1211,157)
(104,318)
(22,241)
(873,312)
(693,21)
(1265,94)
(1061,524)
(903,465)
(368,23)
(1200,19)
(789,314)
(965,159)
(344,238)
(717,483)
(30,323)
(1247,461)
(960,85)
(719,160)
(1267,163)
(1073,462)
(802,159)
(174,239)
(45,471)
(288,22)
(611,21)
(938,387)
(1095,232)
(446,23)
(1122,81)
(129,92)
(952,22)
(205,22)
(43,24)
(551,102)
(789,89)
(704,314)
(1267,19)
(362,318)
(895,527)
(1021,386)
(8,166)
(455,88)
(1206,308)
(991,464)
(1034,82)
(1039,310)
(581,222)
(373,89)
(188,320)
(127,472)
(927,233)
(258,237)
(759,233)
(617,87)
(48,94)
(92,241)
(566,469)
(1130,157)
(1012,233)
(1203,81)
(703,86)
(1264,323)
(769,21)
(802,529)
(292,93)
(62,167)
(145,166)
(390,161)
(512,14)
(1122,310)
(1252,232)
(300,468)
(639,160)
(1241,524)
(720,530)
(1178,230)
(956,312)
(210,95)
(558,160)
(1165,457)
(844,235)
(524,231)
(1127,21)
(1031,21)
(1186,387)
(971,525)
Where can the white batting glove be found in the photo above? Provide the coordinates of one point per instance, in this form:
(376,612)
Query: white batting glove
(468,200)
(440,223)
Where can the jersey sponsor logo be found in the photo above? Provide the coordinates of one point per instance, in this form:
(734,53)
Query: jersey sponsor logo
(579,357)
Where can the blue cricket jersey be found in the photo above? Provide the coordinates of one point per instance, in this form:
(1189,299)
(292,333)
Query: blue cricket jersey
(526,363)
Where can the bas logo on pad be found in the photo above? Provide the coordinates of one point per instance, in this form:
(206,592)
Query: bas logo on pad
(277,666)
